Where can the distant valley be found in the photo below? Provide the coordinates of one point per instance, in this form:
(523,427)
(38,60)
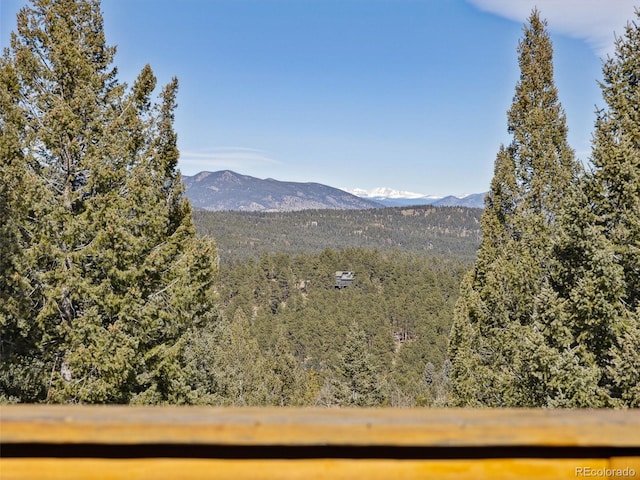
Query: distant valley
(230,191)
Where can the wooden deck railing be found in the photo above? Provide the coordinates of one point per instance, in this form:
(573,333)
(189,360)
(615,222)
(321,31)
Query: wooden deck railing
(106,442)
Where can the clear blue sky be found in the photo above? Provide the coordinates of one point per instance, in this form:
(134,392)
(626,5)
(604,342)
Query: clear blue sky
(406,94)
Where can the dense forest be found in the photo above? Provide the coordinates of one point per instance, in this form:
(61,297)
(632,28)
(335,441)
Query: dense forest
(447,232)
(114,291)
(381,341)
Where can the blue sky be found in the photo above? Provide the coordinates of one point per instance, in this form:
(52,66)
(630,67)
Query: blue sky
(405,94)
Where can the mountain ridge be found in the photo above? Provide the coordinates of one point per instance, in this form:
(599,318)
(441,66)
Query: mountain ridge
(396,198)
(228,190)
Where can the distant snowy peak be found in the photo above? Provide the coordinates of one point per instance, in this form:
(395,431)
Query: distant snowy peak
(384,192)
(397,198)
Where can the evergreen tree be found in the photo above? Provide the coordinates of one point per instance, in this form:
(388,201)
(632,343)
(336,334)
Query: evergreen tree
(625,364)
(359,384)
(591,305)
(239,366)
(614,192)
(106,266)
(579,309)
(289,384)
(616,158)
(22,368)
(495,317)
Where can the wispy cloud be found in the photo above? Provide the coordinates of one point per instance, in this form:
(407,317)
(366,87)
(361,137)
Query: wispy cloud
(222,158)
(594,21)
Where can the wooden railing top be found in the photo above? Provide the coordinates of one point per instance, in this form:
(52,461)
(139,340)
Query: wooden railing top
(56,424)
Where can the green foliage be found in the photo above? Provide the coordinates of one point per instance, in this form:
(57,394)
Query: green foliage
(108,295)
(616,158)
(401,303)
(549,315)
(448,232)
(358,383)
(226,366)
(613,190)
(625,364)
(594,282)
(496,318)
(102,271)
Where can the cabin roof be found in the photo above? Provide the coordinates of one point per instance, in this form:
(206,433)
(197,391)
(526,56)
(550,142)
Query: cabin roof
(344,274)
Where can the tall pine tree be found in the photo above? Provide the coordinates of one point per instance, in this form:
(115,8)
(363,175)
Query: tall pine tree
(590,306)
(615,193)
(103,260)
(358,382)
(495,326)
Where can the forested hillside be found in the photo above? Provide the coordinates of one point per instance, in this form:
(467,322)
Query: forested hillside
(448,232)
(381,341)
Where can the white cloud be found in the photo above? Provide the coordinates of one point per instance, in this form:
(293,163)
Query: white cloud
(222,158)
(593,21)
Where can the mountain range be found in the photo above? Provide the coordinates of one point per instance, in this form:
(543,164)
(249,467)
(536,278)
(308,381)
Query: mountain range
(227,190)
(396,198)
(231,191)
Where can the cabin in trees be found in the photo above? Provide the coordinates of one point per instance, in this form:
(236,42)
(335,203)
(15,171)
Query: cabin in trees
(343,279)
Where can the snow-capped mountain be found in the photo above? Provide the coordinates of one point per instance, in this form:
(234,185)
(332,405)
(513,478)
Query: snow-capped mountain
(397,198)
(389,193)
(227,190)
